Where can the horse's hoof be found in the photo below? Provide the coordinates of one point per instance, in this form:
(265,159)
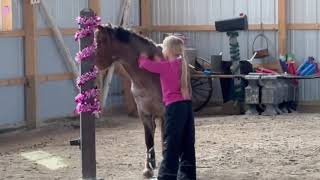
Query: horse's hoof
(147,173)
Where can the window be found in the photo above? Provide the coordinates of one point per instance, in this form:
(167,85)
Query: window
(6,15)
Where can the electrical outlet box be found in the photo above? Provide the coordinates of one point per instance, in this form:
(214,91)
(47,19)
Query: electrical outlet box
(34,1)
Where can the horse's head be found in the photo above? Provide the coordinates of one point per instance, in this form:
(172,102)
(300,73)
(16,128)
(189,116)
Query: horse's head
(104,37)
(114,43)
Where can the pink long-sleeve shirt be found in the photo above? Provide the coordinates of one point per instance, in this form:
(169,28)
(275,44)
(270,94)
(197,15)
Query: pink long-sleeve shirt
(170,77)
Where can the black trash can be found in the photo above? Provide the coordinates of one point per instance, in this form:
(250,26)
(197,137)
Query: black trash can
(226,84)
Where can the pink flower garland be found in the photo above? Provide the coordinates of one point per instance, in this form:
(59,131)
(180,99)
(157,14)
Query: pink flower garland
(82,33)
(85,53)
(83,106)
(89,21)
(87,77)
(89,108)
(88,24)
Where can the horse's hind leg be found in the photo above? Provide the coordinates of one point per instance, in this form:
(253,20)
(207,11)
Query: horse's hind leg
(149,131)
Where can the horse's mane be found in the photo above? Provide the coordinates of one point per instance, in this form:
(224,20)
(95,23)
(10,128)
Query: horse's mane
(124,35)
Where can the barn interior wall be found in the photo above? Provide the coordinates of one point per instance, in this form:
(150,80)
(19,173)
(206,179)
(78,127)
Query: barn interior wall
(56,97)
(302,43)
(12,66)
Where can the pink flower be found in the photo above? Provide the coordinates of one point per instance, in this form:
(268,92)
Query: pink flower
(87,77)
(85,53)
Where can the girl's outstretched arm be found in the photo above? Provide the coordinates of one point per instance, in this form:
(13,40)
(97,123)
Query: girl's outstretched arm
(158,66)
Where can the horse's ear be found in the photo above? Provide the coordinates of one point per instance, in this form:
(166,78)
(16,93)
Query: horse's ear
(100,27)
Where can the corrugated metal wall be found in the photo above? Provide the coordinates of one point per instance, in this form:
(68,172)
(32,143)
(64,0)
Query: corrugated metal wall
(55,98)
(12,66)
(204,12)
(111,11)
(305,43)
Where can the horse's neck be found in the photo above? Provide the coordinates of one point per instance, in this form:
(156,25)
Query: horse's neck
(137,76)
(128,60)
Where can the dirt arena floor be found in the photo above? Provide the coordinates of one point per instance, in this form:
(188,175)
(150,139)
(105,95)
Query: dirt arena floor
(230,147)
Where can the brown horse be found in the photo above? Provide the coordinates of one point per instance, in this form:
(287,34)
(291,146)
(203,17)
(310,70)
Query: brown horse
(119,45)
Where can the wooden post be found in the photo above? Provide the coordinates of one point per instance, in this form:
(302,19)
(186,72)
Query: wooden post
(6,5)
(145,16)
(282,21)
(31,71)
(95,5)
(87,120)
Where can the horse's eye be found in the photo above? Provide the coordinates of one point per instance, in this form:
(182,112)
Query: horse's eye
(98,43)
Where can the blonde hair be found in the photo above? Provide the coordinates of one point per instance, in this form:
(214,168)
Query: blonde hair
(176,46)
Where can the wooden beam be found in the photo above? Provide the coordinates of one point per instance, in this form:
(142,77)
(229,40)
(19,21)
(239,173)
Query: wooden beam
(107,84)
(55,77)
(12,82)
(283,31)
(6,5)
(95,5)
(168,28)
(41,79)
(64,31)
(180,28)
(31,53)
(15,33)
(164,28)
(204,28)
(305,26)
(145,14)
(266,27)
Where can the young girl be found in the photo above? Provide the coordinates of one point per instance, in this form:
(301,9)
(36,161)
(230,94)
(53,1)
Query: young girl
(179,160)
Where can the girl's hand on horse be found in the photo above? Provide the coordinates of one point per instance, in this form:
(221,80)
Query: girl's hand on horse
(157,58)
(144,55)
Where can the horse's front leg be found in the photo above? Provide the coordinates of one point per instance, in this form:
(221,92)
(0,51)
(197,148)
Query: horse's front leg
(149,131)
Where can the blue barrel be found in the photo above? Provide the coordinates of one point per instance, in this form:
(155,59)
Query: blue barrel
(306,70)
(303,66)
(312,71)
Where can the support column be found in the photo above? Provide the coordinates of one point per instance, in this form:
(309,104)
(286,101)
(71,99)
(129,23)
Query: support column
(282,25)
(145,16)
(87,120)
(31,71)
(95,5)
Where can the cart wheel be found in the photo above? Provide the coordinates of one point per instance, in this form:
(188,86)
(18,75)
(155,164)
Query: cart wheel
(201,92)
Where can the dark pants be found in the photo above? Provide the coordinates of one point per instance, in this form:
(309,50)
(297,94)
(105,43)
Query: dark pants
(179,160)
